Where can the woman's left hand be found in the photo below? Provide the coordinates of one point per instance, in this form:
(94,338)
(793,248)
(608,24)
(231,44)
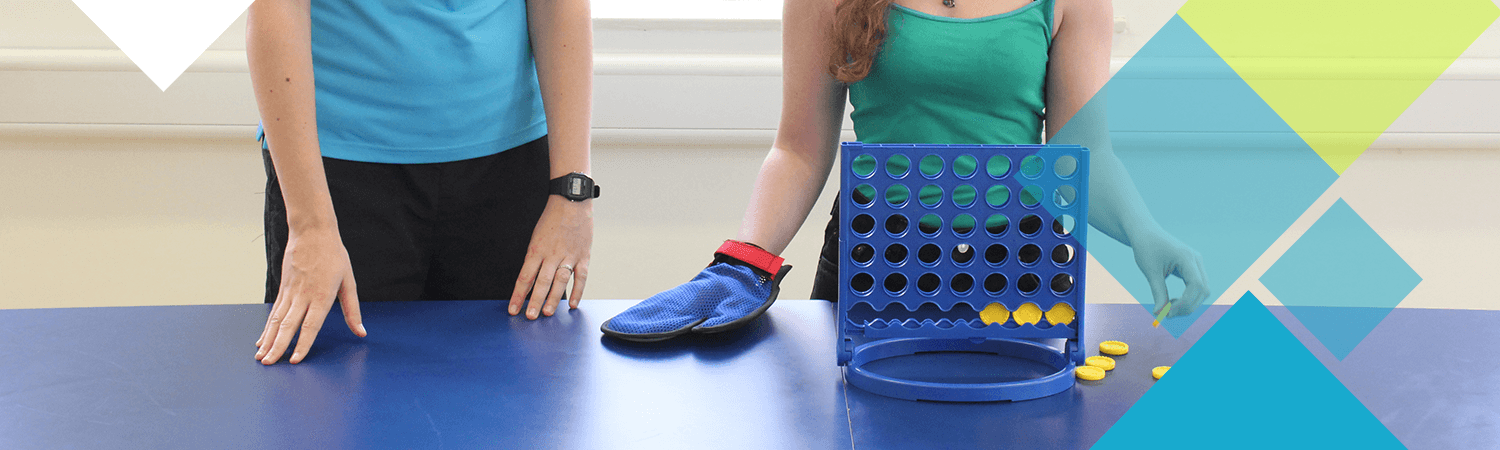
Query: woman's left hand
(1159,255)
(558,252)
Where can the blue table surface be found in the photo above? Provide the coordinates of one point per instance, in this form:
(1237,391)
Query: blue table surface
(466,374)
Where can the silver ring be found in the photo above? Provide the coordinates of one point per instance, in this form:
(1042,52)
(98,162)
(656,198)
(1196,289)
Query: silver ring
(565,266)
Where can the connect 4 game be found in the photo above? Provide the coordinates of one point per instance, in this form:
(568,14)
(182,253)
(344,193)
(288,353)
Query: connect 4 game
(962,248)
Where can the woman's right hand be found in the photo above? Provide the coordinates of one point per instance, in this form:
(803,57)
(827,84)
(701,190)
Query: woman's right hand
(314,271)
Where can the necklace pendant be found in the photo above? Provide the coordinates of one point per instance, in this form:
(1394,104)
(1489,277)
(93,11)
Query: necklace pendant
(950,3)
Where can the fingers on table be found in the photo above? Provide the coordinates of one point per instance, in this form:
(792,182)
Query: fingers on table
(546,281)
(312,322)
(273,323)
(580,276)
(557,288)
(262,338)
(541,291)
(524,282)
(287,329)
(349,301)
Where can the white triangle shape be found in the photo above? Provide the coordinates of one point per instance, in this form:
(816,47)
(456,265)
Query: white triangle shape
(163,37)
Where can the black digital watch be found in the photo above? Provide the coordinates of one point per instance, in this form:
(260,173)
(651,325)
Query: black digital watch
(575,186)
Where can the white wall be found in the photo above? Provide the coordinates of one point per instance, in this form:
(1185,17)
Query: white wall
(115,193)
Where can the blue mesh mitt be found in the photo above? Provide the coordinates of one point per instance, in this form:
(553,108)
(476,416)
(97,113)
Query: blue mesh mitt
(728,294)
(744,302)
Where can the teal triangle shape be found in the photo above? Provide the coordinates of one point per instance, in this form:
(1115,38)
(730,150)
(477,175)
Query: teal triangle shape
(1248,383)
(1216,168)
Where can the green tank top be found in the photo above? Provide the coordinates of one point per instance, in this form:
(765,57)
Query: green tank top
(940,80)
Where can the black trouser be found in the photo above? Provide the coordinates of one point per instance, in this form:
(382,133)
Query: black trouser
(442,231)
(826,280)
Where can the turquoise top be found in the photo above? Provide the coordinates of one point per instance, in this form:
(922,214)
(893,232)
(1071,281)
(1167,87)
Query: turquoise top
(423,81)
(940,80)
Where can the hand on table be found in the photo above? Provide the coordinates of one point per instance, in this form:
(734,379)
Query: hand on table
(1159,254)
(559,251)
(733,291)
(314,271)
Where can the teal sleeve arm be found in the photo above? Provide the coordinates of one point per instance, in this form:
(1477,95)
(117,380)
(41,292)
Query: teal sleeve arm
(1117,210)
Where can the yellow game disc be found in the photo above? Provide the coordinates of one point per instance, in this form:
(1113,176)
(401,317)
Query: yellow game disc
(1060,314)
(1102,362)
(1116,348)
(1159,371)
(1090,373)
(994,314)
(1028,313)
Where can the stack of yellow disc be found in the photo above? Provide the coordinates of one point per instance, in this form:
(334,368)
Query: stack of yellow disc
(1102,362)
(1116,348)
(994,314)
(1090,373)
(1060,314)
(1028,313)
(1159,371)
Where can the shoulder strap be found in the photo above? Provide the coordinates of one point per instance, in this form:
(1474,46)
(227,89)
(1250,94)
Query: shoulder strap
(1048,15)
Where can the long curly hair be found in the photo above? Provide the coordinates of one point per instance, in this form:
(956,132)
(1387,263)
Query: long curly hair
(858,30)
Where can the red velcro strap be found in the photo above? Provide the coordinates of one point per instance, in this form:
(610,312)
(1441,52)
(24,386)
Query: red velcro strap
(752,255)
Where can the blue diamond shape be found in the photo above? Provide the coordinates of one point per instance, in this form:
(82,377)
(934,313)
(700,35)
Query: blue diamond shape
(1248,383)
(1340,279)
(1216,167)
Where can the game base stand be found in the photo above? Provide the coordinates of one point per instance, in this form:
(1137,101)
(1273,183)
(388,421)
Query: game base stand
(961,248)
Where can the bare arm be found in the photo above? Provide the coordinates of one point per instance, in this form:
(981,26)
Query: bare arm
(1079,68)
(316,266)
(812,105)
(562,42)
(279,48)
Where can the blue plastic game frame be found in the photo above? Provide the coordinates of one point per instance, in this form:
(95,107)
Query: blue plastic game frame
(876,322)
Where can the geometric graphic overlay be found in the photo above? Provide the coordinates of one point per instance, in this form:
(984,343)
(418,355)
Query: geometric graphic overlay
(163,37)
(1431,394)
(1072,420)
(1216,167)
(1248,384)
(1340,279)
(1339,71)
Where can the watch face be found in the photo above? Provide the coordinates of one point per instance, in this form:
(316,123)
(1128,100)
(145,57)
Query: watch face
(574,186)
